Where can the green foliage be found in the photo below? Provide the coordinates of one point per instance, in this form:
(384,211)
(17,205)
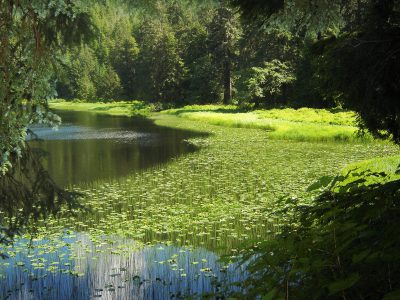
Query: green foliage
(160,67)
(33,35)
(366,76)
(268,82)
(29,195)
(378,170)
(30,45)
(310,87)
(124,56)
(224,34)
(341,244)
(203,82)
(354,60)
(300,16)
(108,84)
(85,88)
(183,52)
(102,70)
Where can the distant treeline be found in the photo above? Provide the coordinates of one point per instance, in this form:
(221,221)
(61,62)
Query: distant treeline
(183,52)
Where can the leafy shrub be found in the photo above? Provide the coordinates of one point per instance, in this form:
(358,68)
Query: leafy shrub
(344,244)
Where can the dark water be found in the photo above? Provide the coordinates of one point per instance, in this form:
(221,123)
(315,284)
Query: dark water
(89,147)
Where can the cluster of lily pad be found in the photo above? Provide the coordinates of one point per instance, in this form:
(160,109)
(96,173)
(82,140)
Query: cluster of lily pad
(213,198)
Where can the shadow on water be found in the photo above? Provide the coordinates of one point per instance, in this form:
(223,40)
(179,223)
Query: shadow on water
(90,146)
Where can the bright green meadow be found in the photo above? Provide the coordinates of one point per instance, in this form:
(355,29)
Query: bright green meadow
(304,124)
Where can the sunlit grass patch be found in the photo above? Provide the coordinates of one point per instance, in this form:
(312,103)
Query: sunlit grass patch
(311,115)
(305,124)
(305,114)
(121,108)
(303,131)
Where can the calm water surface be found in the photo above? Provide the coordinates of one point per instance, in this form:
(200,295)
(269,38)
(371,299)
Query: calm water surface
(91,147)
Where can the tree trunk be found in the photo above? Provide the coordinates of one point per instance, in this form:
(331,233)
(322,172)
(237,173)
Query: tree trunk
(227,83)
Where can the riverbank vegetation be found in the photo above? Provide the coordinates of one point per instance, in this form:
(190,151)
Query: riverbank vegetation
(120,108)
(304,124)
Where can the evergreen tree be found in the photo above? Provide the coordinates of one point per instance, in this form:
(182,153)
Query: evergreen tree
(224,34)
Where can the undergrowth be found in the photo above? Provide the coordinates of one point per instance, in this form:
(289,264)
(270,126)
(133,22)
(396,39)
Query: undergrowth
(343,244)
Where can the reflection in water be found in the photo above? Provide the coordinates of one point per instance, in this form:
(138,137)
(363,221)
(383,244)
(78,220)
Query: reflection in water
(89,147)
(86,270)
(28,194)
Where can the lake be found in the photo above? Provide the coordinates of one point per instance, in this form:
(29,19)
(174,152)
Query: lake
(163,206)
(89,148)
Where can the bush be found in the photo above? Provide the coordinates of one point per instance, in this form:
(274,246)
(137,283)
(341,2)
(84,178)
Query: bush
(344,244)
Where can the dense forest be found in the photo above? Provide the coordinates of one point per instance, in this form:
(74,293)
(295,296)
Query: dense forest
(228,149)
(186,52)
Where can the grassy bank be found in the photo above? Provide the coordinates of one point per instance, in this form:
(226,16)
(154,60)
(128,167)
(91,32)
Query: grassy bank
(305,124)
(122,108)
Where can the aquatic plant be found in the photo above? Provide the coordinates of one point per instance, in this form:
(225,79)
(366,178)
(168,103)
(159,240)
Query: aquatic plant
(215,198)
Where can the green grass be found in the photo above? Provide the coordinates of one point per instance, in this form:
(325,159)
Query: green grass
(122,108)
(308,115)
(305,124)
